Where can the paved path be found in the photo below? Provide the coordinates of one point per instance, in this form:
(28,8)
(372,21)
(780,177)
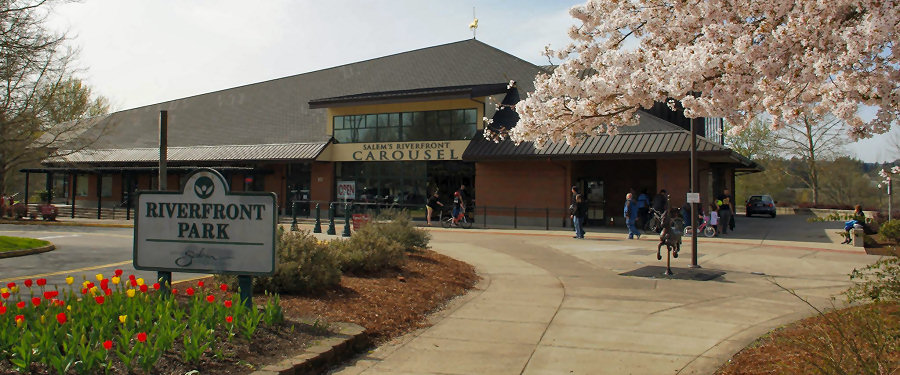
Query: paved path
(550,304)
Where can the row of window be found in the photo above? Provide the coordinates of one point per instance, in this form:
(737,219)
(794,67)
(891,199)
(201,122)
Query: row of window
(406,126)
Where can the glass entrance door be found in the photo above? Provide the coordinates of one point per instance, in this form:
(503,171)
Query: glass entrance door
(592,189)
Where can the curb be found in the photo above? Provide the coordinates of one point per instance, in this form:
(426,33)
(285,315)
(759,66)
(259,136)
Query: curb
(23,252)
(65,223)
(350,339)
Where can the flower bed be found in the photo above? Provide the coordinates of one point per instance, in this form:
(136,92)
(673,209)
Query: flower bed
(120,323)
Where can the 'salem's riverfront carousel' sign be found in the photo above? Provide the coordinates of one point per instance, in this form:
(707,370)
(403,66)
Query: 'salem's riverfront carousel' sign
(205,228)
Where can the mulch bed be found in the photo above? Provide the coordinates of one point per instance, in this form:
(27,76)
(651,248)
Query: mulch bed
(805,346)
(387,304)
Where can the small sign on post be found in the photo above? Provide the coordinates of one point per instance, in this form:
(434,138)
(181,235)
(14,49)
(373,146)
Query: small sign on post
(205,228)
(693,197)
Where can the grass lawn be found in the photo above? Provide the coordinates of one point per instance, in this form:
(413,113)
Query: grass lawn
(19,243)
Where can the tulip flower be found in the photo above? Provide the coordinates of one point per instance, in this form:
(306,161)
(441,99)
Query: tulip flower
(229,319)
(50,294)
(133,283)
(104,284)
(200,283)
(115,280)
(20,304)
(2,309)
(99,300)
(156,286)
(107,344)
(61,318)
(227,303)
(94,290)
(118,273)
(140,281)
(189,291)
(36,301)
(223,287)
(70,280)
(144,288)
(131,277)
(174,291)
(142,337)
(123,318)
(41,282)
(20,319)
(129,293)
(99,276)
(5,295)
(210,298)
(107,292)
(28,283)
(14,289)
(84,290)
(4,290)
(11,285)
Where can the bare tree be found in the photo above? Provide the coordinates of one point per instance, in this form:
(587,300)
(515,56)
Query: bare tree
(755,142)
(811,139)
(41,106)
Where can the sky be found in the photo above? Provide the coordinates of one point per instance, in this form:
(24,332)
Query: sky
(137,53)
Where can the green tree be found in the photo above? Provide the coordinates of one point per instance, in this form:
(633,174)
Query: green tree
(755,142)
(844,182)
(42,107)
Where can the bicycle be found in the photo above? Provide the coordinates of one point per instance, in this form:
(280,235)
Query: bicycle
(461,220)
(705,228)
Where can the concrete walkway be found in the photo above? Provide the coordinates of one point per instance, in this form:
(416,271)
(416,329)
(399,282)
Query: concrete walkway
(550,304)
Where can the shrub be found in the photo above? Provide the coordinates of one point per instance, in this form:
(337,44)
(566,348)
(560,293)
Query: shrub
(304,265)
(891,230)
(368,251)
(395,226)
(876,282)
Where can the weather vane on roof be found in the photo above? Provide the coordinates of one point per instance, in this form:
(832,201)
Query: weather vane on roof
(474,25)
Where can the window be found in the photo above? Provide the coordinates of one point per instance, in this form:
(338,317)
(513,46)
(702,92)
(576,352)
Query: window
(81,188)
(406,126)
(106,190)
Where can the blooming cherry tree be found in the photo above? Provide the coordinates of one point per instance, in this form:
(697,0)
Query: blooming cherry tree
(735,59)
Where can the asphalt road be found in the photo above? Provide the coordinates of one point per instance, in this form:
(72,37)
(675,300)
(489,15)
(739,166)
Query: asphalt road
(81,252)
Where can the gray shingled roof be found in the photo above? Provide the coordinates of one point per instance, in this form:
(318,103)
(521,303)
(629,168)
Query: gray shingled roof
(291,151)
(651,138)
(276,111)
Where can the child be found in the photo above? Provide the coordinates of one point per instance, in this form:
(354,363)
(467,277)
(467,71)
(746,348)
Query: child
(714,217)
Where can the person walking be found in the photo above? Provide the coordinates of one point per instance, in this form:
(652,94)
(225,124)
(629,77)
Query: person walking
(433,204)
(726,210)
(579,216)
(572,208)
(631,213)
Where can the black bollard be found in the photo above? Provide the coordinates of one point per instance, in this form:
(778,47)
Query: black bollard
(318,227)
(346,221)
(331,230)
(294,214)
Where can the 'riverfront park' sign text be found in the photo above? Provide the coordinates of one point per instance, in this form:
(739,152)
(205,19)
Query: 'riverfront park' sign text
(205,228)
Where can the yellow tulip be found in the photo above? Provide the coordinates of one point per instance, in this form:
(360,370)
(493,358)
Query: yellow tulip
(14,289)
(42,319)
(99,277)
(4,290)
(94,290)
(129,293)
(115,279)
(69,307)
(85,284)
(70,280)
(140,281)
(123,318)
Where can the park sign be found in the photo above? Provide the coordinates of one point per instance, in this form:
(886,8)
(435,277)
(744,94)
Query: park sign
(205,228)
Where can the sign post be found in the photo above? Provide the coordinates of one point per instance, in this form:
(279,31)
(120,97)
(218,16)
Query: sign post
(205,228)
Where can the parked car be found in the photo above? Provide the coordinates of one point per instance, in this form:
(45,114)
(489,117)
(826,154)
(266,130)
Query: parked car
(761,204)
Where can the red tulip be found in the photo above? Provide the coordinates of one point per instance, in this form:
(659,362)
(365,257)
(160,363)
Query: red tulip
(58,302)
(41,282)
(142,337)
(11,285)
(200,283)
(27,283)
(104,283)
(36,301)
(174,291)
(156,286)
(84,290)
(49,294)
(5,295)
(131,277)
(223,287)
(229,319)
(144,288)
(118,273)
(189,291)
(2,309)
(90,285)
(61,317)
(20,318)
(210,298)
(20,304)
(133,283)
(107,345)
(99,300)
(107,292)
(228,303)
